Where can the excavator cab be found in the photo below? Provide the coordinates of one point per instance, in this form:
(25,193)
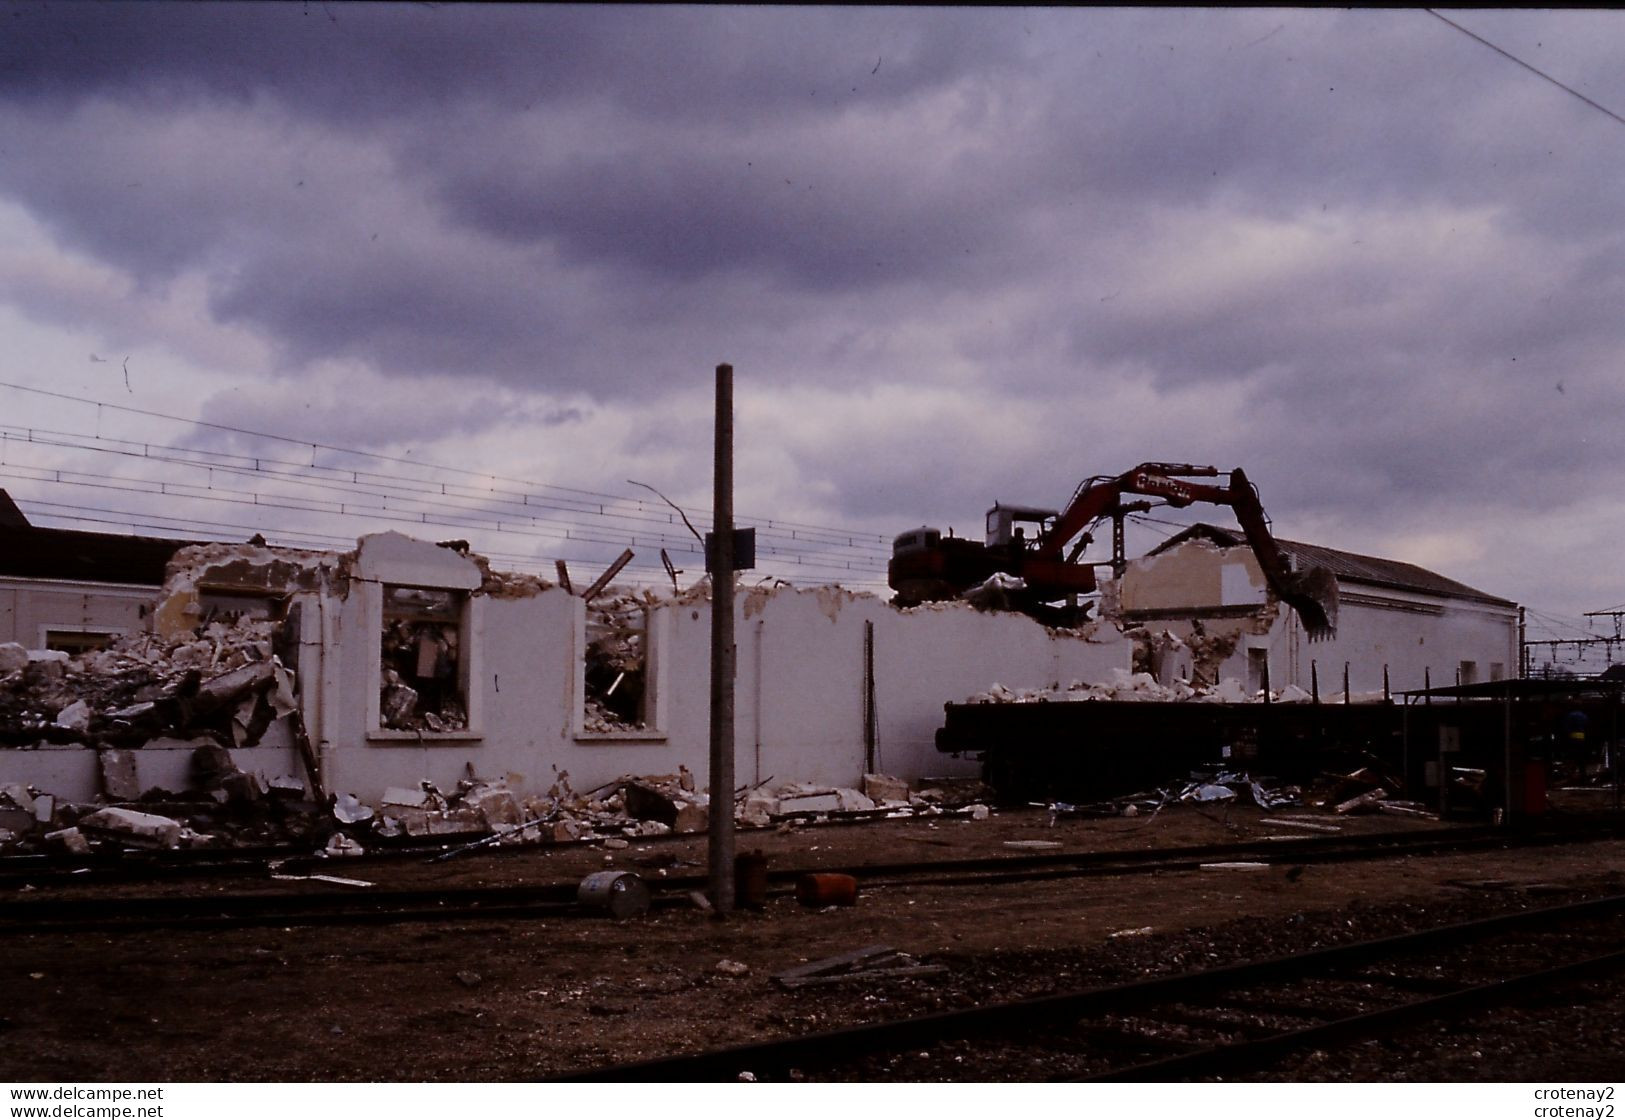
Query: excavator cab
(1007,525)
(926,566)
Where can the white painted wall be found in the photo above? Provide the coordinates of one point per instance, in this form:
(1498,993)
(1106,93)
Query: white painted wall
(799,688)
(30,607)
(1417,636)
(799,691)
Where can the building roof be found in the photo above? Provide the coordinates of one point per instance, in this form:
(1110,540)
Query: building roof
(32,552)
(1348,567)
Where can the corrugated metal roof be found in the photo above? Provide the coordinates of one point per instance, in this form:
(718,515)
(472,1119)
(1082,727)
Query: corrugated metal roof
(1346,566)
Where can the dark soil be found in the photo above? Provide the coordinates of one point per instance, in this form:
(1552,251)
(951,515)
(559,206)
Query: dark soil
(521,1000)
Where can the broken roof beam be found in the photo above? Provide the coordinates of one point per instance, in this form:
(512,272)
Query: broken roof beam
(610,573)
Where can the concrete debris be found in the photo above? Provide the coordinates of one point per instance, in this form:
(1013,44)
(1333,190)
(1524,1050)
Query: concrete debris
(420,688)
(1122,685)
(883,788)
(615,676)
(69,840)
(996,593)
(668,804)
(216,685)
(13,658)
(726,967)
(341,845)
(144,829)
(407,798)
(119,781)
(348,809)
(75,717)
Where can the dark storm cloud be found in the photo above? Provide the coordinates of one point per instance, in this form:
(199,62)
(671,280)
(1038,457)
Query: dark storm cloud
(367,62)
(810,214)
(1353,251)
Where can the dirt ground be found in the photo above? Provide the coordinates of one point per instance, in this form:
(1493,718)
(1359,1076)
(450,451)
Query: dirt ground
(522,1000)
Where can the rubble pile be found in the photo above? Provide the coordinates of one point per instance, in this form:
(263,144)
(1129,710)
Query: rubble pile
(221,686)
(420,685)
(1368,789)
(1125,686)
(225,680)
(1202,787)
(616,648)
(636,807)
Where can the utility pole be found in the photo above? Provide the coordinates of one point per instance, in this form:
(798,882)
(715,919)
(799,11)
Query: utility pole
(721,834)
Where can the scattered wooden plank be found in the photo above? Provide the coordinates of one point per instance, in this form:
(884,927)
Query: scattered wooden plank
(831,964)
(1290,822)
(868,974)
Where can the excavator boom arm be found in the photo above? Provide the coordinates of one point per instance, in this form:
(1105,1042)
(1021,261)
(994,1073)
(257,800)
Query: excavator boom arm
(1312,594)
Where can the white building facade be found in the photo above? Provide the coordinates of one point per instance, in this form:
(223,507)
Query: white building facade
(1399,626)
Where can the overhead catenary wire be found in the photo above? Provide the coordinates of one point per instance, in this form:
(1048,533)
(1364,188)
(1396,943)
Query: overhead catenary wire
(205,530)
(281,488)
(1541,74)
(317,446)
(385,487)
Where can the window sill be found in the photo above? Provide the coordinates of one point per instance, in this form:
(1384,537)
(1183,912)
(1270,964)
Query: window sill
(640,735)
(392,736)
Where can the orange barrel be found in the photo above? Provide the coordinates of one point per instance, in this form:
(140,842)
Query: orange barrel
(826,889)
(750,879)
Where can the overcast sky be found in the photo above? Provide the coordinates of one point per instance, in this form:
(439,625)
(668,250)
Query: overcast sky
(954,255)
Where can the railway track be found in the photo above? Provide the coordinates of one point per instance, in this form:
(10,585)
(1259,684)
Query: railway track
(339,905)
(1228,1021)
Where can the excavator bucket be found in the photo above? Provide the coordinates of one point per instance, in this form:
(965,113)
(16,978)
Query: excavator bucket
(1313,594)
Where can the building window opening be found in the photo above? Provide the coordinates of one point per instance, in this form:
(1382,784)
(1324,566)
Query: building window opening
(422,684)
(231,607)
(616,669)
(1467,673)
(1258,670)
(76,642)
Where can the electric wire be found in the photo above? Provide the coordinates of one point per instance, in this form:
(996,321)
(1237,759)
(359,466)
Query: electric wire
(1603,109)
(383,487)
(317,445)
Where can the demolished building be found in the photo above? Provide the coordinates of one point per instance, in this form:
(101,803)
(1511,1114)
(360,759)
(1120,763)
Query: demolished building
(69,590)
(409,662)
(410,679)
(1209,616)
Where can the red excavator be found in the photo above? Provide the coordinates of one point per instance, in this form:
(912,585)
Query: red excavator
(927,566)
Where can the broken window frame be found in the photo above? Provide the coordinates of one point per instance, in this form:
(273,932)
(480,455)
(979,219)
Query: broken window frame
(467,629)
(655,624)
(216,603)
(1256,666)
(79,639)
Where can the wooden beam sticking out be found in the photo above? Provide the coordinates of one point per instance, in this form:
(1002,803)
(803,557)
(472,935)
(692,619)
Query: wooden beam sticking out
(610,573)
(564,577)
